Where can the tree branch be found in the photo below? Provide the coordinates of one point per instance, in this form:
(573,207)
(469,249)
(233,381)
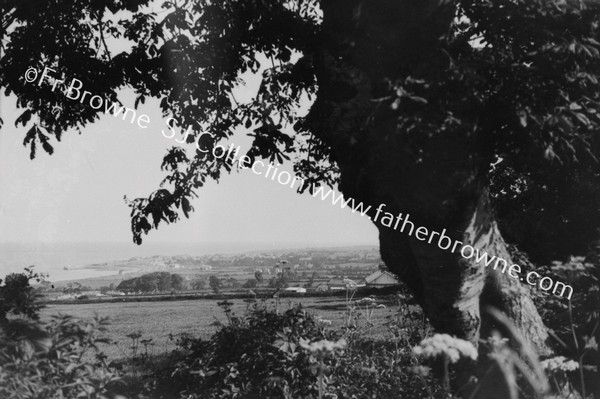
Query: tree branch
(101,28)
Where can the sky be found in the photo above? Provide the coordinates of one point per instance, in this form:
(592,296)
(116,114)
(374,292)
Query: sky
(76,195)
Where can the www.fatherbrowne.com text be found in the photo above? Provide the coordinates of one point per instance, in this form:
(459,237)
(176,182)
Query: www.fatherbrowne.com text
(405,225)
(387,219)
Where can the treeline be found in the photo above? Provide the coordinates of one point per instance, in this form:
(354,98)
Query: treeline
(153,282)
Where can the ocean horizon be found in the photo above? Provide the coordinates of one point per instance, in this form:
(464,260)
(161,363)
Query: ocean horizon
(52,258)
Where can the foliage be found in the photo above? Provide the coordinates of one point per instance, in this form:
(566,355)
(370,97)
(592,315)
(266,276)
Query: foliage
(282,277)
(258,350)
(198,284)
(539,60)
(74,288)
(549,212)
(193,55)
(153,282)
(267,354)
(376,369)
(214,284)
(575,325)
(278,282)
(177,282)
(54,360)
(48,360)
(257,355)
(106,289)
(516,79)
(231,282)
(250,283)
(515,360)
(18,297)
(521,75)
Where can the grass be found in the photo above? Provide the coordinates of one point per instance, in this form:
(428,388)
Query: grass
(159,320)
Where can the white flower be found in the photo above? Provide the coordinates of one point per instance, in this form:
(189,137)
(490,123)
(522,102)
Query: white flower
(496,341)
(452,347)
(560,363)
(422,371)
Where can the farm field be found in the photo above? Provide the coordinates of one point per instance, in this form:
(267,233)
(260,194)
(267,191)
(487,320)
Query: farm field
(160,320)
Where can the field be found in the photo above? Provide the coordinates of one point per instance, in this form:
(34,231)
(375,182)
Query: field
(158,320)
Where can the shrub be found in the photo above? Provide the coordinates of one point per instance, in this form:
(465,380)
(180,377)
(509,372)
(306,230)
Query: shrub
(575,324)
(17,296)
(267,354)
(256,356)
(47,360)
(53,362)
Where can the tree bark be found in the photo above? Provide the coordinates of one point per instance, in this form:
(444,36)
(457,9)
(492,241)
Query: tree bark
(441,180)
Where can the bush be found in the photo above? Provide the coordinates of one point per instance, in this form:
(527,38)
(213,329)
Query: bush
(47,360)
(257,356)
(53,362)
(17,296)
(575,324)
(266,354)
(376,369)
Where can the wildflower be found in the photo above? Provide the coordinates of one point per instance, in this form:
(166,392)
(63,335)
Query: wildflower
(496,341)
(559,363)
(453,348)
(421,371)
(324,321)
(323,345)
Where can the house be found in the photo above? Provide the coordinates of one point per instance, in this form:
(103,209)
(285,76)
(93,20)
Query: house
(381,278)
(298,290)
(298,283)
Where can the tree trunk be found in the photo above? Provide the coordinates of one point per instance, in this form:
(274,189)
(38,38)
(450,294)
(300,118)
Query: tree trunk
(440,180)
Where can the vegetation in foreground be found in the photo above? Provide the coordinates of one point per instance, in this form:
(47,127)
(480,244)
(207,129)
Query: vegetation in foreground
(472,116)
(269,352)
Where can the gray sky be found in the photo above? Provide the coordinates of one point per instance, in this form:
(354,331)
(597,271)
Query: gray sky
(77,193)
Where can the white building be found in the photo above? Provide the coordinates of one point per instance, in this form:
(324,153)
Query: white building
(298,290)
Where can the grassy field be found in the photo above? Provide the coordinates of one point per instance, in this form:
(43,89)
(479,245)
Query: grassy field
(158,320)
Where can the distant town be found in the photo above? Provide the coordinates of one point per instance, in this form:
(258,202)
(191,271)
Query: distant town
(305,271)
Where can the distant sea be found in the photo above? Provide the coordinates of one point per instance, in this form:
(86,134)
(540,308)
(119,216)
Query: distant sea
(52,258)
